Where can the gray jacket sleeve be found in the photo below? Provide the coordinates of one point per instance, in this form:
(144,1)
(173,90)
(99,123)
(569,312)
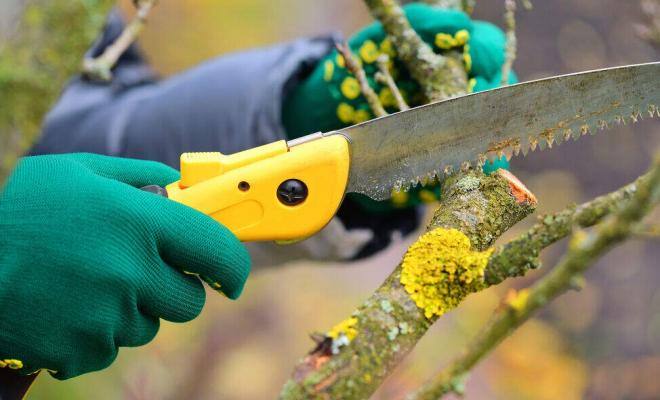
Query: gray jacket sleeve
(228,104)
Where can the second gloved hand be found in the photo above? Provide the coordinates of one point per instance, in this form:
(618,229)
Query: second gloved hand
(90,263)
(330,98)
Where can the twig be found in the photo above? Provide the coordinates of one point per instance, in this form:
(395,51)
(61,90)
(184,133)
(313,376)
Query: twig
(511,39)
(463,5)
(651,31)
(440,76)
(511,46)
(99,68)
(648,232)
(384,77)
(584,249)
(389,324)
(356,69)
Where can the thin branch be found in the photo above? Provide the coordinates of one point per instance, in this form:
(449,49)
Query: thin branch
(99,68)
(389,324)
(651,31)
(511,46)
(440,76)
(354,67)
(384,77)
(647,232)
(521,254)
(463,5)
(584,249)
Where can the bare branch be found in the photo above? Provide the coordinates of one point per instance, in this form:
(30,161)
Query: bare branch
(463,5)
(521,254)
(99,68)
(647,232)
(386,79)
(651,31)
(584,249)
(354,67)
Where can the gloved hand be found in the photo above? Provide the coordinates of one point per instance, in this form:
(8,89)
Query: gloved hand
(330,97)
(89,263)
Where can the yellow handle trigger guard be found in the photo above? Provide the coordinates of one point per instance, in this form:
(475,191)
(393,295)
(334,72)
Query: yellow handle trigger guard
(241,190)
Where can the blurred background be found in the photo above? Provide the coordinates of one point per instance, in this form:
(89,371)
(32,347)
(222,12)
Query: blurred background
(600,343)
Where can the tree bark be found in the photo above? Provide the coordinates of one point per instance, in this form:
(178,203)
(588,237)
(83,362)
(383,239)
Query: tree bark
(389,324)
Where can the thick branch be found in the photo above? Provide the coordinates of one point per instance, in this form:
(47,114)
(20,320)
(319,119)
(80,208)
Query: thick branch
(389,323)
(99,68)
(584,249)
(354,67)
(440,77)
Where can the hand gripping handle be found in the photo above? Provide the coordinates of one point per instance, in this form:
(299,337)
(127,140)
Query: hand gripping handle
(271,192)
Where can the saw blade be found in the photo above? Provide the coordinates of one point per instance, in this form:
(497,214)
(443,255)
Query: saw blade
(409,147)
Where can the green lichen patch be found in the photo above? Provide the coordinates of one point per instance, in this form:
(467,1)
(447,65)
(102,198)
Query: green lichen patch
(440,270)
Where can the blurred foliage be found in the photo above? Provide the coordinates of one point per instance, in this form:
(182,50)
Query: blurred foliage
(36,62)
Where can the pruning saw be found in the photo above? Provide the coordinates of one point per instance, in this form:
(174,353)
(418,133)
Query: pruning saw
(287,191)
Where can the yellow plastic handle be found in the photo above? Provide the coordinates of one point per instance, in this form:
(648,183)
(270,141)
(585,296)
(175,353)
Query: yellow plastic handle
(241,190)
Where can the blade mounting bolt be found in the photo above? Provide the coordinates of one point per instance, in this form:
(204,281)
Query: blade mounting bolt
(292,192)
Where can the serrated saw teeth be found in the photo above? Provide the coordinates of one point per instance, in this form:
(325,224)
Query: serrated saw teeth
(538,114)
(516,149)
(618,120)
(533,144)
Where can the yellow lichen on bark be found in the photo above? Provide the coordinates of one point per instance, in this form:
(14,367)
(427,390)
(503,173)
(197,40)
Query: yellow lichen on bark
(345,327)
(440,270)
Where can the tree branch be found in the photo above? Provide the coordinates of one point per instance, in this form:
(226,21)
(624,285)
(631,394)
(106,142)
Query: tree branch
(651,31)
(354,67)
(511,47)
(521,254)
(584,249)
(384,77)
(440,77)
(463,5)
(99,68)
(389,324)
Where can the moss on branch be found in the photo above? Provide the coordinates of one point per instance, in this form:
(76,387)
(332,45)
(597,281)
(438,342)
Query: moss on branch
(521,254)
(638,200)
(389,324)
(36,62)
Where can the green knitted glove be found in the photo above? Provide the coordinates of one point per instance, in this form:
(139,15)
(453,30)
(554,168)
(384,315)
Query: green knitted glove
(89,263)
(330,98)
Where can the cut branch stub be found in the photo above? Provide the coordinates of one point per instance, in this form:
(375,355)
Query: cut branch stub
(389,324)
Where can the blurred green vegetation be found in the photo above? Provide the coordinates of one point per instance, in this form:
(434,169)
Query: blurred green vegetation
(35,63)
